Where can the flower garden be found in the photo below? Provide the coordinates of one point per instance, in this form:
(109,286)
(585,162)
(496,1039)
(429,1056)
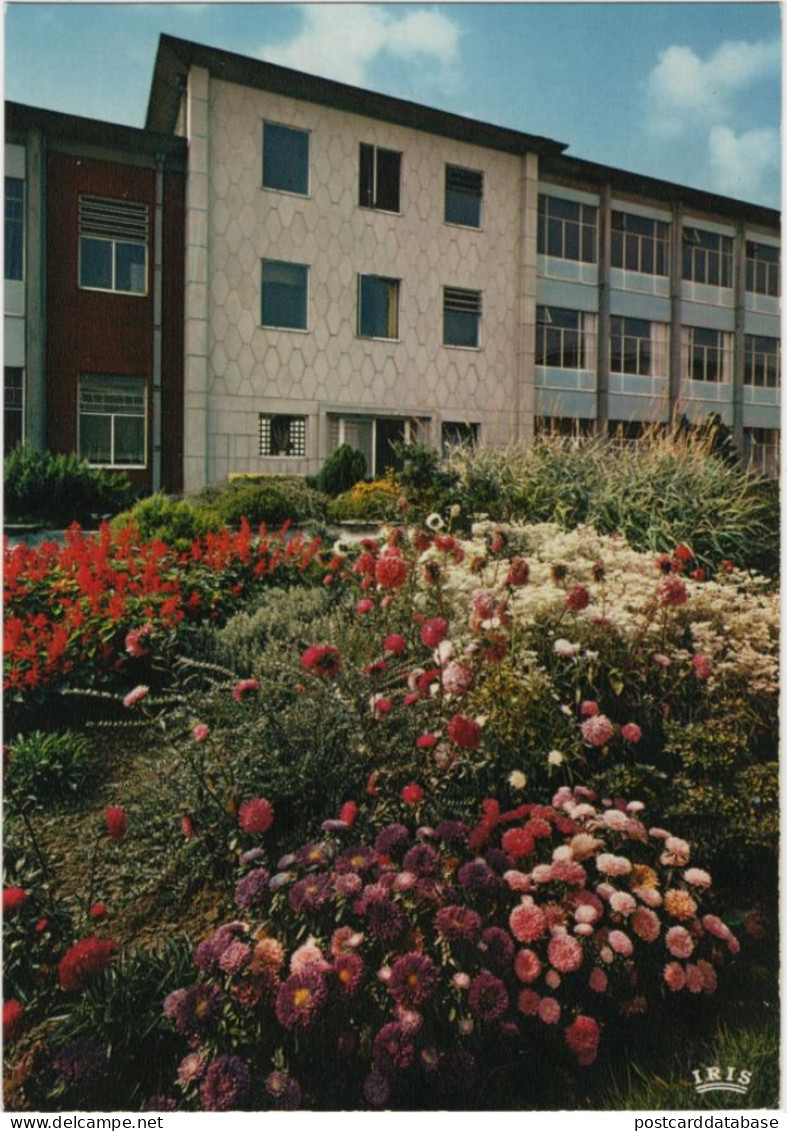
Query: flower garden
(478,805)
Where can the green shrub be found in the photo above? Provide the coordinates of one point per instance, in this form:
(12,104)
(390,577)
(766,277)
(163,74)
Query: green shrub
(49,767)
(272,499)
(342,470)
(370,501)
(174,521)
(59,489)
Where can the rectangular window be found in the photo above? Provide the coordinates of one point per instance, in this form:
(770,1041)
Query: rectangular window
(378,307)
(113,245)
(707,258)
(112,420)
(708,354)
(639,244)
(461,317)
(761,450)
(630,346)
(284,294)
(14,227)
(763,358)
(762,269)
(567,230)
(285,158)
(458,434)
(380,173)
(13,405)
(563,338)
(282,435)
(464,190)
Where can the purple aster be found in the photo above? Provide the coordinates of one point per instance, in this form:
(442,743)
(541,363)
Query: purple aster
(429,890)
(360,858)
(284,1091)
(191,1068)
(235,957)
(300,999)
(392,841)
(349,970)
(384,918)
(252,855)
(457,922)
(80,1061)
(334,825)
(172,1003)
(208,953)
(500,861)
(250,890)
(311,893)
(285,862)
(347,883)
(393,1049)
(376,1089)
(413,980)
(452,832)
(488,997)
(226,1084)
(197,1008)
(280,880)
(423,860)
(312,855)
(477,876)
(498,947)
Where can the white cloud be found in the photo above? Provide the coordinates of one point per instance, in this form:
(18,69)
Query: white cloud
(742,164)
(341,41)
(684,90)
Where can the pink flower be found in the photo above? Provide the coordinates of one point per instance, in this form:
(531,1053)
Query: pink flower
(380,706)
(708,975)
(577,599)
(518,572)
(675,976)
(391,570)
(694,980)
(679,942)
(620,943)
(134,696)
(697,878)
(623,903)
(461,981)
(364,606)
(565,953)
(255,816)
(242,687)
(457,678)
(672,592)
(646,924)
(676,852)
(201,732)
(597,730)
(115,818)
(434,631)
(527,966)
(549,1010)
(588,708)
(322,659)
(583,1037)
(716,927)
(527,923)
(395,644)
(611,865)
(134,640)
(630,732)
(528,1002)
(702,666)
(661,659)
(598,981)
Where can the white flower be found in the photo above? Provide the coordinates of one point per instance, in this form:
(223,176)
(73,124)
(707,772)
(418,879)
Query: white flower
(565,648)
(517,780)
(434,522)
(444,652)
(554,758)
(455,510)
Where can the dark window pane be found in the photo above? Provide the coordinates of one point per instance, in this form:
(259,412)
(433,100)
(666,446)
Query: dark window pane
(130,268)
(366,176)
(95,438)
(555,239)
(284,288)
(646,257)
(463,201)
(617,249)
(378,307)
(285,158)
(129,439)
(554,340)
(388,167)
(460,329)
(631,252)
(542,233)
(14,227)
(713,268)
(700,265)
(571,250)
(588,244)
(565,209)
(95,263)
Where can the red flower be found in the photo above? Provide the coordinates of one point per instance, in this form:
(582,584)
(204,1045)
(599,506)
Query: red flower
(672,592)
(116,823)
(99,911)
(683,553)
(464,732)
(391,571)
(371,784)
(83,962)
(582,1037)
(426,741)
(698,574)
(322,659)
(517,843)
(412,794)
(577,598)
(255,816)
(13,899)
(364,606)
(242,687)
(518,572)
(702,666)
(13,1015)
(348,812)
(631,732)
(589,707)
(395,644)
(434,631)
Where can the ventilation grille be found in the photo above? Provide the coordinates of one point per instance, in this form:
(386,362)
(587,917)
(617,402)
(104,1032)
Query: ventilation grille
(113,219)
(458,301)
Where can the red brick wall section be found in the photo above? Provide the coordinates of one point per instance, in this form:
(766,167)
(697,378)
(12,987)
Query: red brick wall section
(172,337)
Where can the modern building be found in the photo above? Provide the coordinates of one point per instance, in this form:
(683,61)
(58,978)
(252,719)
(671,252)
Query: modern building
(357,268)
(93,347)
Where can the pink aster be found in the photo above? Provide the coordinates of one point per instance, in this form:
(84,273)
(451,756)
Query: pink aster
(694,980)
(565,953)
(702,666)
(598,980)
(395,644)
(134,638)
(675,976)
(528,1002)
(582,1037)
(255,816)
(679,942)
(597,730)
(549,1010)
(464,732)
(623,903)
(527,966)
(243,687)
(645,924)
(672,592)
(588,708)
(527,923)
(716,927)
(611,865)
(697,878)
(135,696)
(457,678)
(434,631)
(201,732)
(708,975)
(631,732)
(620,943)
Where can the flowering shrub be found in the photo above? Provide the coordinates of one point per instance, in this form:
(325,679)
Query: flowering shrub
(430,954)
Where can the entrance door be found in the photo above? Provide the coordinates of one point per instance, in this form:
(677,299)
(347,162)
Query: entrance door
(389,430)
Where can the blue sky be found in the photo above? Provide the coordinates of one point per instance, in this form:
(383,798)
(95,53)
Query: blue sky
(687,92)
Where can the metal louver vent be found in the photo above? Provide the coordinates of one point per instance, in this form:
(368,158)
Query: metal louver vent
(113,219)
(459,301)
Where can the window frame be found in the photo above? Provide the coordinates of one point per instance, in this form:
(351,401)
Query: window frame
(305,267)
(480,197)
(372,205)
(383,279)
(543,231)
(771,267)
(723,254)
(614,334)
(301,418)
(476,314)
(20,221)
(749,363)
(707,348)
(546,325)
(143,416)
(641,240)
(113,290)
(295,130)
